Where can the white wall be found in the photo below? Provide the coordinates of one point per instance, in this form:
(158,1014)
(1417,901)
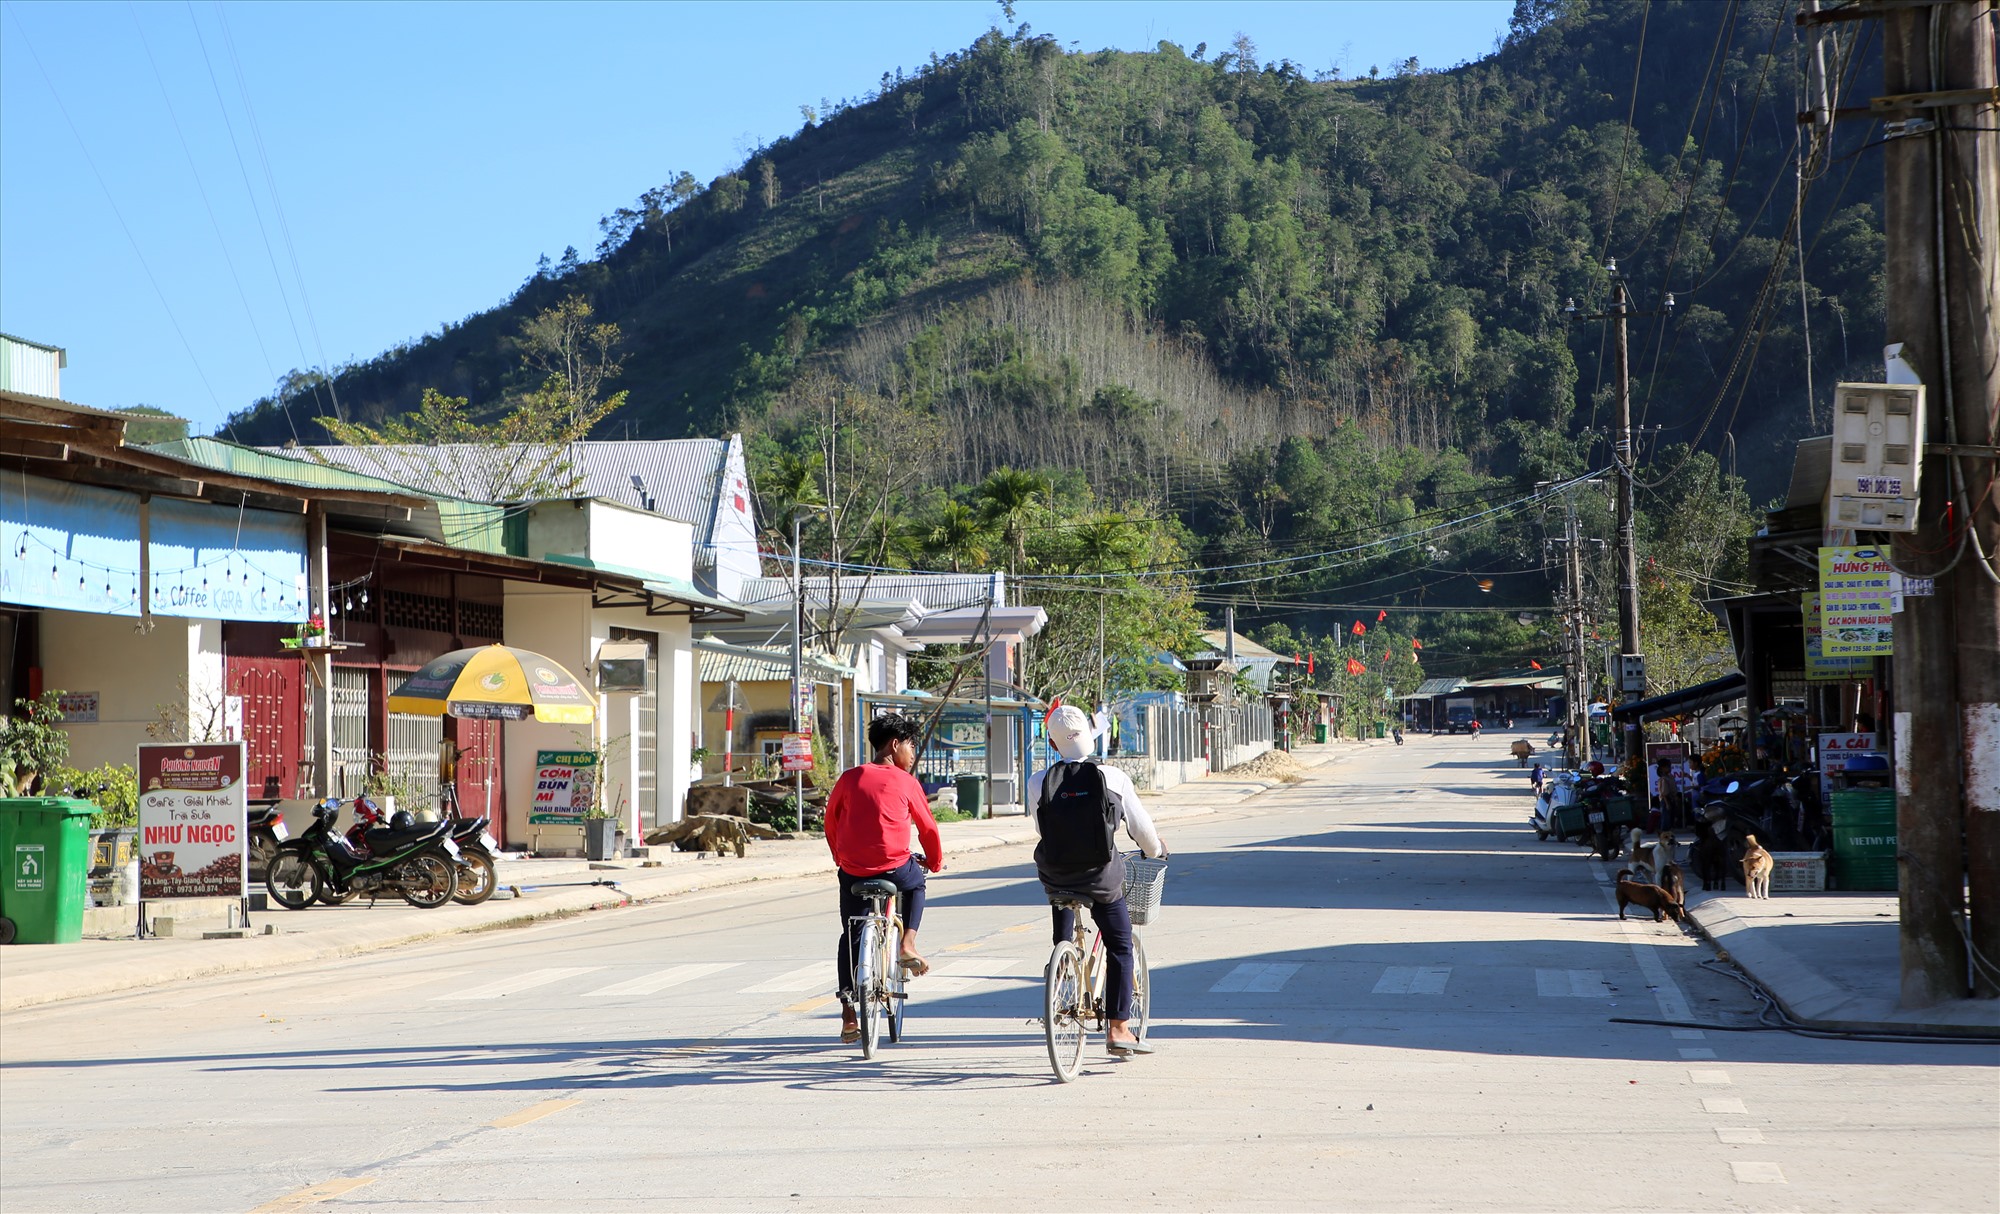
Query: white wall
(553,621)
(134,674)
(639,539)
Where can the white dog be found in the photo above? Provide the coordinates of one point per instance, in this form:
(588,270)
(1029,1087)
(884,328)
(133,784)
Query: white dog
(1653,856)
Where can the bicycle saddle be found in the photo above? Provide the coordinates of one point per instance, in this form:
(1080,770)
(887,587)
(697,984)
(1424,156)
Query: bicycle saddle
(876,888)
(1069,902)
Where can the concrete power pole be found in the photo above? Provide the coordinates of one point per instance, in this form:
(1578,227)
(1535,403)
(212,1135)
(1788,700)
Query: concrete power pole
(1942,250)
(1628,551)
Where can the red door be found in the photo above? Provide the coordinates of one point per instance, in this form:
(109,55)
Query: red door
(480,790)
(274,721)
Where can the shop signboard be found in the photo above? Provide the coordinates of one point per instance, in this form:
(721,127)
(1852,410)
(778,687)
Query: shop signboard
(192,807)
(565,786)
(1857,616)
(1835,749)
(806,705)
(1675,753)
(1819,667)
(795,753)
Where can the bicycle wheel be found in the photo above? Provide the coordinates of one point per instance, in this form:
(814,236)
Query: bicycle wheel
(1061,1018)
(869,982)
(898,991)
(1142,988)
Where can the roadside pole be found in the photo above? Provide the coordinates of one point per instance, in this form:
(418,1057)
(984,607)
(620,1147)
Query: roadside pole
(1939,209)
(1628,552)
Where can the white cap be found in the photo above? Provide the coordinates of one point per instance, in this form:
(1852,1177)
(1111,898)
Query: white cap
(1070,732)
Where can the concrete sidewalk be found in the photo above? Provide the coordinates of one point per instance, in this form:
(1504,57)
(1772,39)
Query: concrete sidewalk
(31,975)
(1832,961)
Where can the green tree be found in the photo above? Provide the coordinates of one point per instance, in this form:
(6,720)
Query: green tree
(1009,499)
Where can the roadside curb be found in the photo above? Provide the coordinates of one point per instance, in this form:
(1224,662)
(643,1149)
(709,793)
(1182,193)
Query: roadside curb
(189,960)
(1812,1002)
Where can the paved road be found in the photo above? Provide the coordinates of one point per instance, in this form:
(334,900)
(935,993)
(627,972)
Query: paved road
(1376,991)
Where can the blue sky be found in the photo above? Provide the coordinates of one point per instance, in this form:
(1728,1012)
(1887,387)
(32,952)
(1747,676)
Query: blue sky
(196,198)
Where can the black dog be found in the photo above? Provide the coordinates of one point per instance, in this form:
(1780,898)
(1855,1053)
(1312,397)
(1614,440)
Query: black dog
(1710,858)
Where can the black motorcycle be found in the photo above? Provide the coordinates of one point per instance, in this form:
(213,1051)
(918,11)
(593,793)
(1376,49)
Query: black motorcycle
(267,830)
(419,864)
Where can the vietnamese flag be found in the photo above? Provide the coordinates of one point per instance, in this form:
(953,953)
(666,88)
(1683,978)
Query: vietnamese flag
(1358,628)
(1534,663)
(1309,662)
(1415,643)
(1381,615)
(1354,666)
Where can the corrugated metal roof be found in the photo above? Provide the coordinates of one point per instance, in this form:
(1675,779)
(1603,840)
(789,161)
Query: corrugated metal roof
(1437,687)
(680,475)
(750,664)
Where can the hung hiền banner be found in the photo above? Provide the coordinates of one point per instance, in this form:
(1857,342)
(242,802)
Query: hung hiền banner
(1857,614)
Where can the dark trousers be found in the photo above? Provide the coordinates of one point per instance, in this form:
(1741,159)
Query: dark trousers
(909,878)
(1114,924)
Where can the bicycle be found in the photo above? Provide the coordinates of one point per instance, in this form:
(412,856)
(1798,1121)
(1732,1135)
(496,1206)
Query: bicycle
(1073,1002)
(879,981)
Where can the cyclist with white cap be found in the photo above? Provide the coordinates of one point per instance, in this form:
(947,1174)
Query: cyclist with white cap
(1078,806)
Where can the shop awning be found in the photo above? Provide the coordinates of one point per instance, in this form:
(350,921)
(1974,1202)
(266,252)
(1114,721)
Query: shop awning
(1687,699)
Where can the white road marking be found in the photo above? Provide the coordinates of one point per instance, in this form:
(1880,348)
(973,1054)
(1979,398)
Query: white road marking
(1742,1136)
(1260,977)
(804,978)
(518,983)
(1722,1104)
(1690,1035)
(1570,984)
(1757,1173)
(1645,950)
(1697,1055)
(1413,980)
(1712,1078)
(956,976)
(652,984)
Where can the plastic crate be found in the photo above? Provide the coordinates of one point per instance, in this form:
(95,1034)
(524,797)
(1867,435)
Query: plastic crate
(1569,820)
(1618,811)
(1145,880)
(1798,872)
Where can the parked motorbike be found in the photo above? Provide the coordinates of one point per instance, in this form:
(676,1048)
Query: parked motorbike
(267,830)
(477,848)
(1398,735)
(1782,811)
(419,864)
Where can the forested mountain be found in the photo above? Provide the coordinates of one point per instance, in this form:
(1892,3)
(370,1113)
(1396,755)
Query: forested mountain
(1260,308)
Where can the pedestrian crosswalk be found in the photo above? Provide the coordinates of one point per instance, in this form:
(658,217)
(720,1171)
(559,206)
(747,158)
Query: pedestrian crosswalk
(962,976)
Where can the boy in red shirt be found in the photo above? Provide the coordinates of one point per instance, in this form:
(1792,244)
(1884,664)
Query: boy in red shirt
(868,818)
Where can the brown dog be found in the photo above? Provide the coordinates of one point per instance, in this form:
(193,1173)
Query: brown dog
(1670,880)
(1757,865)
(1652,897)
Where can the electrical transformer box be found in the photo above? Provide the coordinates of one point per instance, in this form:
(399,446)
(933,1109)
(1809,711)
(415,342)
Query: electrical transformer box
(1878,450)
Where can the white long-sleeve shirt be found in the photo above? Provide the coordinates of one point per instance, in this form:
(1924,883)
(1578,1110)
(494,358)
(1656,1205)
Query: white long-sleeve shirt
(1117,786)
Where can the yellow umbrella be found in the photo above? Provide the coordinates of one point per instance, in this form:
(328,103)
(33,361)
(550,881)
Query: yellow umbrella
(496,682)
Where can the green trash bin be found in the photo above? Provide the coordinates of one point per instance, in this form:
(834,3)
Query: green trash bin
(971,795)
(45,845)
(1381,729)
(1319,734)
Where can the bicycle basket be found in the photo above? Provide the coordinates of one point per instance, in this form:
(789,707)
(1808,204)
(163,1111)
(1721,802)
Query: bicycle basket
(1145,879)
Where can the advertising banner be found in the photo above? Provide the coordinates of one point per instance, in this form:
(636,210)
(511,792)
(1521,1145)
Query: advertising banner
(1857,617)
(795,753)
(565,785)
(1819,667)
(192,807)
(1834,751)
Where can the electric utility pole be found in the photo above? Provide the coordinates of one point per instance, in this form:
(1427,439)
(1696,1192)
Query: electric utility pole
(1628,553)
(1942,251)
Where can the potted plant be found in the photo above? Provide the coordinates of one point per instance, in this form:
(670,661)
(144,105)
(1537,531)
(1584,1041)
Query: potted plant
(600,833)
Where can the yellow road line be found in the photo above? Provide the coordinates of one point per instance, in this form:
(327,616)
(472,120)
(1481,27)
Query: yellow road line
(534,1112)
(811,1005)
(324,1191)
(1029,926)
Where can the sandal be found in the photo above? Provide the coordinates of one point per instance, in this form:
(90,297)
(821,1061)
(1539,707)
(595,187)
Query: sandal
(850,1032)
(917,966)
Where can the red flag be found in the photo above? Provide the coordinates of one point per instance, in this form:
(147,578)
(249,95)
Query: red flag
(1415,643)
(1309,663)
(1381,615)
(1354,666)
(1358,628)
(1386,655)
(1295,658)
(1534,663)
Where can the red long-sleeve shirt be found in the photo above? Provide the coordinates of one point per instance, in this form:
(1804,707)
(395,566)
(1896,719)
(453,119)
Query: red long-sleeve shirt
(868,818)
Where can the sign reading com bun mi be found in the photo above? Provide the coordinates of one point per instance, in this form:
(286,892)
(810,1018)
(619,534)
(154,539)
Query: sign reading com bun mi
(192,807)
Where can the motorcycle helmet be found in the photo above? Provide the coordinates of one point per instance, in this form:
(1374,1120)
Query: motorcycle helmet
(402,819)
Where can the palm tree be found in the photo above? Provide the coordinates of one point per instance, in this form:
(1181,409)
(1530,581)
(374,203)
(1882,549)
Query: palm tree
(960,536)
(1008,499)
